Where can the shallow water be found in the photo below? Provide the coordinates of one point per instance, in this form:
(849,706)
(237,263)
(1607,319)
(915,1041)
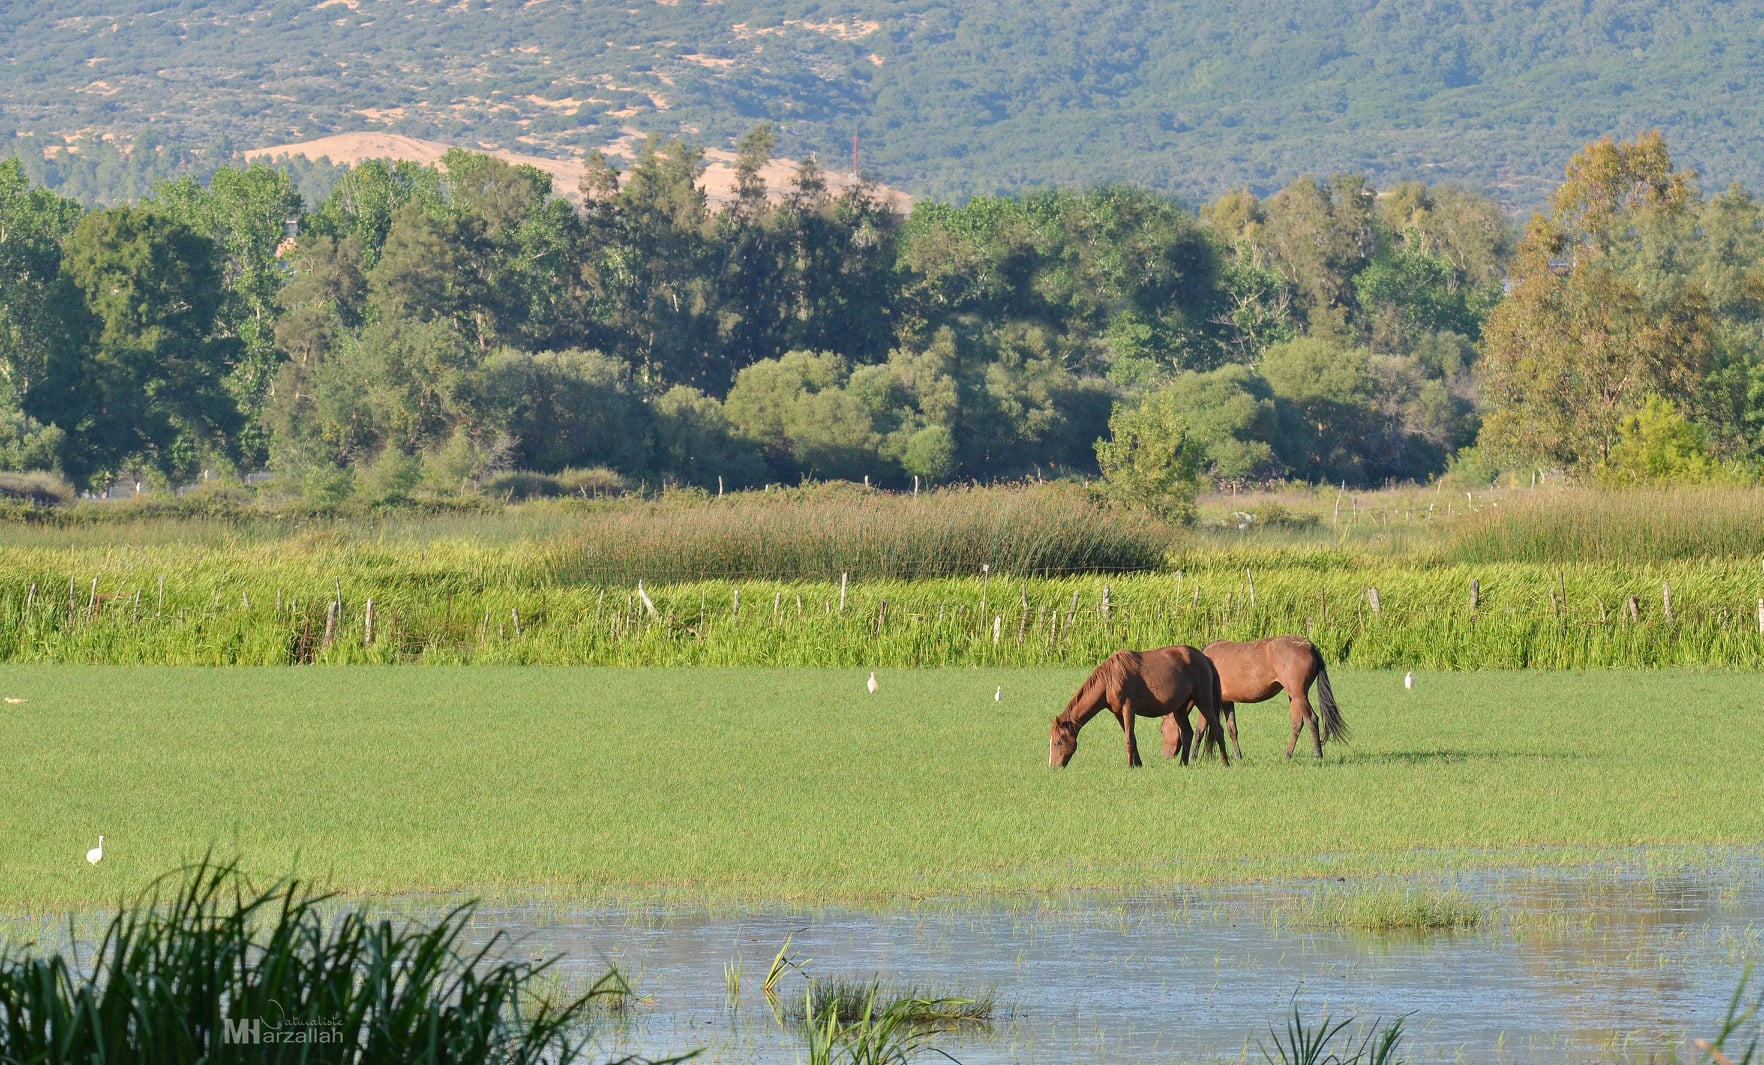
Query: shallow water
(1618,963)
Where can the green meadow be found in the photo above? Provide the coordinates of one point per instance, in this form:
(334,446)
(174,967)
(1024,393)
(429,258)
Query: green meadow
(726,785)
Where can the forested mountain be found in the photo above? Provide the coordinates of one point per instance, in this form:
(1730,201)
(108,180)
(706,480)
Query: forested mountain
(948,99)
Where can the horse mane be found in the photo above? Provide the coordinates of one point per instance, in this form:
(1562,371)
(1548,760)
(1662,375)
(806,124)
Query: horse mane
(1113,670)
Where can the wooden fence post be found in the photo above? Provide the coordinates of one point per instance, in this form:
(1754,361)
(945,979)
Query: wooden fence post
(367,626)
(1372,600)
(330,624)
(842,577)
(1666,600)
(881,618)
(1633,606)
(1475,594)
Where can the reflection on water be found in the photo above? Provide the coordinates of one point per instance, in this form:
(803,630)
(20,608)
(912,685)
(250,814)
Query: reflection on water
(1617,964)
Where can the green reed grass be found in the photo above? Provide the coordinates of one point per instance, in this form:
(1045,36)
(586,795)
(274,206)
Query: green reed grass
(454,603)
(213,969)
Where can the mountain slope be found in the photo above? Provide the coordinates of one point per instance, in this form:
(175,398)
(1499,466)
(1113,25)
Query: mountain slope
(947,99)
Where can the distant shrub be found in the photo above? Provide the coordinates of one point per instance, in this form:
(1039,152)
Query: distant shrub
(44,489)
(593,482)
(515,486)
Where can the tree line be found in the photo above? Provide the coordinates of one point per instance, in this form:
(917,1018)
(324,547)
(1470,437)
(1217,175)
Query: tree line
(423,327)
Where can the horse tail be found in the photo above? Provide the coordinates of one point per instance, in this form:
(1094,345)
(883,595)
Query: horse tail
(1216,729)
(1334,728)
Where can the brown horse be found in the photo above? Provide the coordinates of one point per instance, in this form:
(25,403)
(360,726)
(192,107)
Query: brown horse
(1160,683)
(1252,672)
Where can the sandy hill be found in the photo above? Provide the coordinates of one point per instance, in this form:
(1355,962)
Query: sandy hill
(566,174)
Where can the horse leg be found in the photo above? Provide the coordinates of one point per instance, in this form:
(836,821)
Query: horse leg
(1228,713)
(1302,716)
(1185,733)
(1133,761)
(1172,735)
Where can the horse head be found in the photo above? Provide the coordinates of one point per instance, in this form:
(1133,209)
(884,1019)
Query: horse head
(1062,742)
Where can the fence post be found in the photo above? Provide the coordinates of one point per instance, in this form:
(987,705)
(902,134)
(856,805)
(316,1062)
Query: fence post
(1633,606)
(367,626)
(997,620)
(985,579)
(1251,578)
(1761,617)
(1666,600)
(1475,594)
(842,577)
(1372,600)
(330,624)
(735,605)
(1103,607)
(881,618)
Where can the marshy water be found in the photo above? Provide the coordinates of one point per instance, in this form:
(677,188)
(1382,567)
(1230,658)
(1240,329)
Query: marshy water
(1624,962)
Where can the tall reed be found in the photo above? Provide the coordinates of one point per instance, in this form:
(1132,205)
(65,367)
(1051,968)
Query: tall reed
(214,970)
(1588,525)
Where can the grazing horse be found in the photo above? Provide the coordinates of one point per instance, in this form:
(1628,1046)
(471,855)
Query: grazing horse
(1252,672)
(1160,683)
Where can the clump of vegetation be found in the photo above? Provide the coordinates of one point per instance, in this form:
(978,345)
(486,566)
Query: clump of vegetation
(850,1001)
(215,969)
(848,1028)
(1390,910)
(1329,1043)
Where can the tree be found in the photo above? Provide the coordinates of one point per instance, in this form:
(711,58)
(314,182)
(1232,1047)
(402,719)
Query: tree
(33,223)
(1590,328)
(1152,458)
(140,376)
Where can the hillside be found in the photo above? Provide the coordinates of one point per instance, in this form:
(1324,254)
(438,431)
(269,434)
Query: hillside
(947,100)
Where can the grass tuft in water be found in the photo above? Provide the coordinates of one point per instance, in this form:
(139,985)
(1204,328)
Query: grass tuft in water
(849,1000)
(1328,1042)
(1389,910)
(892,1035)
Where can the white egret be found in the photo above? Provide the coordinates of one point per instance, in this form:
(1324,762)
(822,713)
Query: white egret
(96,854)
(998,694)
(1408,680)
(872,685)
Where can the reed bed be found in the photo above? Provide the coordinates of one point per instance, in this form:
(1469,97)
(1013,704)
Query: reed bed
(217,970)
(277,603)
(1589,525)
(817,531)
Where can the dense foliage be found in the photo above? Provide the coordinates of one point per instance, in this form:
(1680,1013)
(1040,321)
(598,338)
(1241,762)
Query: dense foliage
(427,327)
(421,330)
(948,100)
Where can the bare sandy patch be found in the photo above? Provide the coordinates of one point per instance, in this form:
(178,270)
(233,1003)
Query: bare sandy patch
(718,181)
(713,61)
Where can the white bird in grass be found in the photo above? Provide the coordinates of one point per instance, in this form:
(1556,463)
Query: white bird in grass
(998,694)
(1408,680)
(96,854)
(872,685)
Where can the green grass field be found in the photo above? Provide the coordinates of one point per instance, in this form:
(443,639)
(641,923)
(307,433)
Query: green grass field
(798,785)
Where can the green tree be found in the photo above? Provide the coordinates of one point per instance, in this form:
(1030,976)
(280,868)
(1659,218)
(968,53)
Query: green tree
(1152,459)
(1589,330)
(139,379)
